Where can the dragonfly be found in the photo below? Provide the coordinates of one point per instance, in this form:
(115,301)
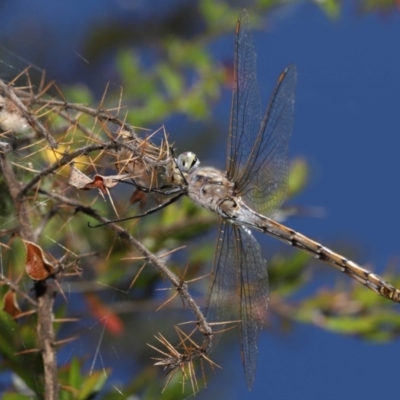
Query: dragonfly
(246,195)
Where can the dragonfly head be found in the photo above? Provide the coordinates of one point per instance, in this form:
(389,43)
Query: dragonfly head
(187,162)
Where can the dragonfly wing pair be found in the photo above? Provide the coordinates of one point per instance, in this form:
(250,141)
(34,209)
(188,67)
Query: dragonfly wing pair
(257,164)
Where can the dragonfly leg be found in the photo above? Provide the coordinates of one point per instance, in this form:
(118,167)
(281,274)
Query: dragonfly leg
(148,212)
(164,189)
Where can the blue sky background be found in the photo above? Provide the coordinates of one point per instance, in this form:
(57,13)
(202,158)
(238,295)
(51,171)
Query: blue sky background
(347,125)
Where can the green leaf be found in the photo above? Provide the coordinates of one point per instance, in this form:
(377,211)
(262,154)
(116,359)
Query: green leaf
(93,384)
(171,80)
(298,176)
(330,7)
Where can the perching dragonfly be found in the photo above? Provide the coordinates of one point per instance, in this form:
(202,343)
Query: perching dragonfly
(246,195)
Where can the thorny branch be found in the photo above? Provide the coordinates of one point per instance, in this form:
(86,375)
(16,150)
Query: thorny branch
(176,282)
(17,111)
(65,160)
(44,296)
(37,125)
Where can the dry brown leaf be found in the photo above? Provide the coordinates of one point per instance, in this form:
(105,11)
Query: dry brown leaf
(37,265)
(10,305)
(81,181)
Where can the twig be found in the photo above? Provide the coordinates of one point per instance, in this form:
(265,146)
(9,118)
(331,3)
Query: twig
(64,160)
(21,206)
(9,92)
(45,295)
(176,282)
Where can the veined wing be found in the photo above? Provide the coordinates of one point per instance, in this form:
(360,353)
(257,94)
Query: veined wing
(246,104)
(257,150)
(240,290)
(222,295)
(263,182)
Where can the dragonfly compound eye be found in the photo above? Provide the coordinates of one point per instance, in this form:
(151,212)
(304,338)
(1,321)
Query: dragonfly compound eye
(187,161)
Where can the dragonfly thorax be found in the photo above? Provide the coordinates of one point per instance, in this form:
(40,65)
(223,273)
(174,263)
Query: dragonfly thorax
(208,187)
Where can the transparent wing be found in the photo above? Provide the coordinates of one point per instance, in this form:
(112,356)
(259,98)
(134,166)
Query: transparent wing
(263,180)
(222,301)
(257,150)
(240,290)
(246,104)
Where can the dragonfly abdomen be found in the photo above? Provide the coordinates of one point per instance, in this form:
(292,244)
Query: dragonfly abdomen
(350,268)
